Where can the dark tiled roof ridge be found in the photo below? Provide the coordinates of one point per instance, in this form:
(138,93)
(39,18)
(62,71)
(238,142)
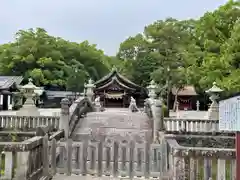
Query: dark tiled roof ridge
(10,80)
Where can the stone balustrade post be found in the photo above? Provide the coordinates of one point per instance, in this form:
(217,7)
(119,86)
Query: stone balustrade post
(158,124)
(65,116)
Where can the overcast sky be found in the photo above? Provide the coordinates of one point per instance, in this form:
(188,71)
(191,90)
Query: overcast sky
(103,22)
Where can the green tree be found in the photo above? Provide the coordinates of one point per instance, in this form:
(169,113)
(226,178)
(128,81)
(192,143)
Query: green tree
(47,59)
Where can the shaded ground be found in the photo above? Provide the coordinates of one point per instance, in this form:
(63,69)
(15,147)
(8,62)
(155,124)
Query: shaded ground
(116,123)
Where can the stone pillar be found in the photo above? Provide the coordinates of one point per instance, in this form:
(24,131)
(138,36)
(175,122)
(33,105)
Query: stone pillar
(158,123)
(213,111)
(177,109)
(198,105)
(64,118)
(89,89)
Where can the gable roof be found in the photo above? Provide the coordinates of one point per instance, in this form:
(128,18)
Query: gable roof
(7,81)
(186,91)
(114,76)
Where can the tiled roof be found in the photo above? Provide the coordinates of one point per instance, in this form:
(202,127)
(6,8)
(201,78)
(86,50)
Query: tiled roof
(7,81)
(59,93)
(115,75)
(186,91)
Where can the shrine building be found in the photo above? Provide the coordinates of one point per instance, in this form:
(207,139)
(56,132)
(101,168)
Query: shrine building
(115,91)
(187,97)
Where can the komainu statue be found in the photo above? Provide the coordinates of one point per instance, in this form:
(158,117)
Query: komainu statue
(97,101)
(98,104)
(133,106)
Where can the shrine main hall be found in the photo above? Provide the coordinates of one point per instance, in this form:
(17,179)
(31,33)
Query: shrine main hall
(116,90)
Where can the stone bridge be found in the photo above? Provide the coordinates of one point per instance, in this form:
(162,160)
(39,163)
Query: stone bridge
(116,144)
(116,123)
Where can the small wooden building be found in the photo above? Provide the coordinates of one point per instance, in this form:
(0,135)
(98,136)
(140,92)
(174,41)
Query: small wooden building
(8,85)
(115,91)
(187,97)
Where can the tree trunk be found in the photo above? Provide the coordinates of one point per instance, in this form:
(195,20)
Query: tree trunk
(175,100)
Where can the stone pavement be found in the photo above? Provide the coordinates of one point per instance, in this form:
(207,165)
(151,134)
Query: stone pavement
(116,123)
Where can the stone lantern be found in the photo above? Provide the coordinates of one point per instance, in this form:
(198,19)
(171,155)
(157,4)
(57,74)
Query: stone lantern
(89,89)
(152,90)
(29,107)
(214,92)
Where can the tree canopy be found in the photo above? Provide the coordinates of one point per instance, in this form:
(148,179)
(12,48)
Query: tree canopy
(187,52)
(52,60)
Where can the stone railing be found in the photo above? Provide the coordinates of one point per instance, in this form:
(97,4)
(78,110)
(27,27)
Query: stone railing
(190,125)
(108,158)
(70,116)
(197,163)
(10,122)
(24,160)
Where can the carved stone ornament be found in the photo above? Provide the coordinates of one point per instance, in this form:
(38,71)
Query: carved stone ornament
(175,152)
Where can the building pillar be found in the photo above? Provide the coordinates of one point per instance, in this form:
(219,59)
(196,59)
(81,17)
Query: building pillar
(9,102)
(1,101)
